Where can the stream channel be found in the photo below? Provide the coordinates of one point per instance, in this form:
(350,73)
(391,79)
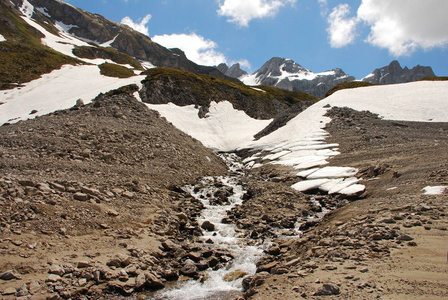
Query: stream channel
(246,251)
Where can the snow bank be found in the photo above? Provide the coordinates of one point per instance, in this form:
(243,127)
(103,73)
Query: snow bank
(423,101)
(57,90)
(224,128)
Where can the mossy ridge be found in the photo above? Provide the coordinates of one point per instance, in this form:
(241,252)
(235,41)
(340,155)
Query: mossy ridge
(434,78)
(113,70)
(23,57)
(205,86)
(347,85)
(106,53)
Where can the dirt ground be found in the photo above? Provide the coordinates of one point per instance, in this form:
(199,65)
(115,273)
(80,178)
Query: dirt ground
(393,243)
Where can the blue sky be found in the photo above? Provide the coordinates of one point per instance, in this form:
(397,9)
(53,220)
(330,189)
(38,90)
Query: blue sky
(354,35)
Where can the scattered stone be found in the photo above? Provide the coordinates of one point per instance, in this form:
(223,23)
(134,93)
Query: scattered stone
(404,237)
(9,291)
(81,196)
(328,290)
(208,226)
(84,264)
(56,269)
(10,275)
(232,276)
(53,278)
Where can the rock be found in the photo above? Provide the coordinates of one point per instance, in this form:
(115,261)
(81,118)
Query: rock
(9,291)
(207,225)
(57,270)
(120,260)
(267,267)
(232,276)
(311,265)
(81,196)
(84,264)
(274,251)
(9,275)
(153,283)
(113,213)
(404,237)
(23,291)
(328,290)
(140,282)
(189,269)
(90,191)
(53,278)
(128,194)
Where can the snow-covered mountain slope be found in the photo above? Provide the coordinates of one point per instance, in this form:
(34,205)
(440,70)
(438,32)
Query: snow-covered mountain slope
(289,75)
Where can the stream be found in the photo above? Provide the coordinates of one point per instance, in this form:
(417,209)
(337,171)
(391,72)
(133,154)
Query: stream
(245,251)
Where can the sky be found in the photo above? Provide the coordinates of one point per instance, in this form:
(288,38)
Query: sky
(357,36)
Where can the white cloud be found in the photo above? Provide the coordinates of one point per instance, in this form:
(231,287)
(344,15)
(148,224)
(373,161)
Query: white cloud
(196,48)
(140,27)
(241,12)
(342,29)
(403,26)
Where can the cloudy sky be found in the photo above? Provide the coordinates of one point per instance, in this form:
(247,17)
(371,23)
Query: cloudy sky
(354,35)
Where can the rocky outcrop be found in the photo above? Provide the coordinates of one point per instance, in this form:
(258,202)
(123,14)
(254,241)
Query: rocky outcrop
(394,73)
(289,75)
(234,71)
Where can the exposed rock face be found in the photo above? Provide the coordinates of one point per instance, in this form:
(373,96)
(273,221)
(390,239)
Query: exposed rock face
(96,28)
(289,75)
(234,71)
(394,73)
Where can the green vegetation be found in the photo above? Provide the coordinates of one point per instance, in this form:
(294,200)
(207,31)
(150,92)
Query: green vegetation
(127,89)
(206,87)
(347,85)
(22,57)
(106,53)
(113,70)
(434,78)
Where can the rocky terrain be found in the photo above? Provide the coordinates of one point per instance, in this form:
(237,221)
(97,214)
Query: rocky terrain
(387,245)
(90,200)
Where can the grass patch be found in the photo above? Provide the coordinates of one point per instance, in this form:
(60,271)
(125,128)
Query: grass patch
(434,78)
(127,90)
(106,53)
(113,70)
(23,57)
(347,85)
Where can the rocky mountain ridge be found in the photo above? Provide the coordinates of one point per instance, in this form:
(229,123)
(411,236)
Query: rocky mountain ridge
(288,75)
(394,73)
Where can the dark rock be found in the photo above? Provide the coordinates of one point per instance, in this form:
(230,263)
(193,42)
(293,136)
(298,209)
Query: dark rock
(208,226)
(394,73)
(328,290)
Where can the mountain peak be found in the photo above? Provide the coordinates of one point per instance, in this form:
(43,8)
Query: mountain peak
(394,73)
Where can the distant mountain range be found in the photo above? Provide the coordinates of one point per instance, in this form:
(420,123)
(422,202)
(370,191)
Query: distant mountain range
(288,75)
(104,35)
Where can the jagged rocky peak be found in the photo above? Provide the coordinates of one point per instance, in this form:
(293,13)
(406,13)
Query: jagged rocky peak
(234,71)
(394,73)
(277,65)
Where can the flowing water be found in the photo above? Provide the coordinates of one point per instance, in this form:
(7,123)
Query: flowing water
(245,251)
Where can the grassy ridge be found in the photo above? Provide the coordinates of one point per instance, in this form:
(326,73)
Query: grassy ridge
(434,78)
(22,57)
(347,85)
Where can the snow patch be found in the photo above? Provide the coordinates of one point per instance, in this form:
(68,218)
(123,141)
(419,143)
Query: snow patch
(434,190)
(249,79)
(57,90)
(224,128)
(2,38)
(64,27)
(27,9)
(109,43)
(44,11)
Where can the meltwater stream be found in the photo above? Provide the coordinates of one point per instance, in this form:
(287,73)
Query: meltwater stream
(224,237)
